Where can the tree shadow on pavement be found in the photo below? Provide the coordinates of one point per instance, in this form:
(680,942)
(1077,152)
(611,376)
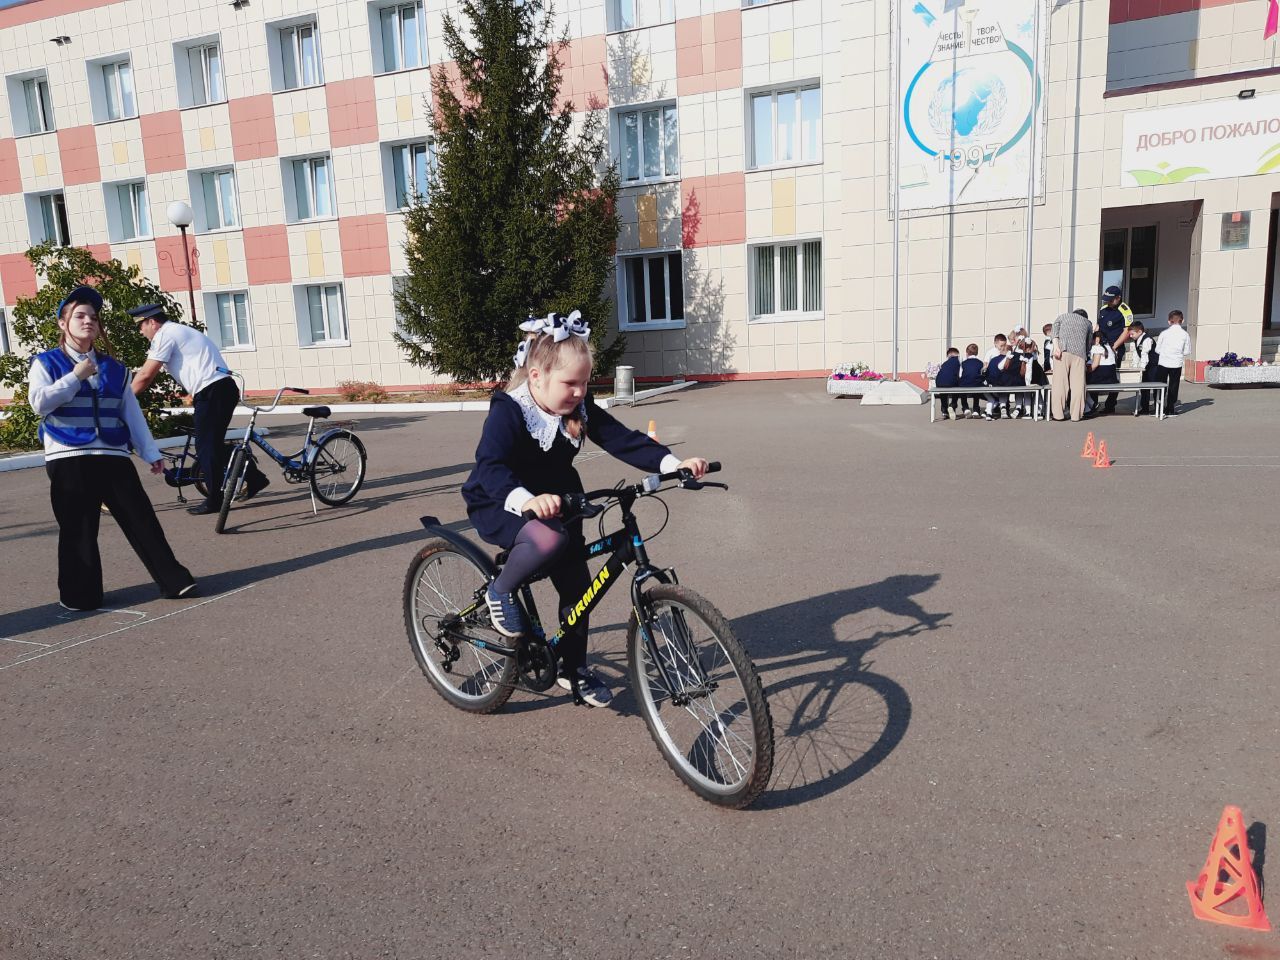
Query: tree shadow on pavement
(835,719)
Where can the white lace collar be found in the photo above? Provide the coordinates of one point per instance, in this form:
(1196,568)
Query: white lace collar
(544,426)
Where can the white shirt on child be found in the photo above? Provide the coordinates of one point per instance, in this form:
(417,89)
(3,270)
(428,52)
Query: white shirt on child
(1174,346)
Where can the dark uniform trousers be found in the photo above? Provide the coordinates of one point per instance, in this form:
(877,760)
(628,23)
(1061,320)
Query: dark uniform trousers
(79,485)
(214,407)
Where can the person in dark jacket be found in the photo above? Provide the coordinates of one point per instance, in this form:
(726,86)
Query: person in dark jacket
(524,461)
(89,422)
(1145,346)
(949,376)
(971,376)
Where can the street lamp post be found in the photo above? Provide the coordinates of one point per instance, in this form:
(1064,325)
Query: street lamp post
(181,215)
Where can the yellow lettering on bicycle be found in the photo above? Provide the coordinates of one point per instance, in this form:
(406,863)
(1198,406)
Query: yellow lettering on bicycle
(587,597)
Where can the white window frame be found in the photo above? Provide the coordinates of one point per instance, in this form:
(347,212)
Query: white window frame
(622,271)
(393,53)
(796,92)
(623,15)
(222,195)
(302,173)
(204,65)
(44,213)
(289,39)
(132,210)
(667,112)
(38,104)
(117,82)
(780,315)
(404,166)
(327,300)
(216,302)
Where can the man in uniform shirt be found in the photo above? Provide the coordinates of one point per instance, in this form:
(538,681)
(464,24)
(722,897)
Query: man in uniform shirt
(1114,319)
(196,362)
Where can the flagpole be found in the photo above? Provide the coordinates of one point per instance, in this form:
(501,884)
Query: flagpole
(897,167)
(1031,160)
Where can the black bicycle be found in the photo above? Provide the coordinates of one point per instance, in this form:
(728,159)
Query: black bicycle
(696,687)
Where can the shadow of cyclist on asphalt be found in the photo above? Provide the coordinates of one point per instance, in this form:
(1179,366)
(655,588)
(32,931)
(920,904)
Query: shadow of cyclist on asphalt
(834,717)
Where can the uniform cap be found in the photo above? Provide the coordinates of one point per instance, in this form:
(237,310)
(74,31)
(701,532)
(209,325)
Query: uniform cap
(147,311)
(82,294)
(1110,292)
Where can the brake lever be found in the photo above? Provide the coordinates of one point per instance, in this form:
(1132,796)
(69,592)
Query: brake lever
(702,484)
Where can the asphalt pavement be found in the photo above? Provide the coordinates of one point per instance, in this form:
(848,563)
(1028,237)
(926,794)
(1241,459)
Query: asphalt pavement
(1011,695)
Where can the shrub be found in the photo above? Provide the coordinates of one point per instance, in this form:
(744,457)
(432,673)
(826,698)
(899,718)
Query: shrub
(362,391)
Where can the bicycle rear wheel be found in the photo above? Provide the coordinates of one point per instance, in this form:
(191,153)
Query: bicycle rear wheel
(231,485)
(441,583)
(707,712)
(337,468)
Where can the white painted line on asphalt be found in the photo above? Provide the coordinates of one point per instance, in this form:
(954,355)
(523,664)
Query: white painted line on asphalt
(59,648)
(29,642)
(1194,466)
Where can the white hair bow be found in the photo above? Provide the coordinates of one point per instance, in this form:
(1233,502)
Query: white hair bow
(560,328)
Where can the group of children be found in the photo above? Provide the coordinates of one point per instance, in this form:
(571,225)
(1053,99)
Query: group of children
(1012,361)
(1016,360)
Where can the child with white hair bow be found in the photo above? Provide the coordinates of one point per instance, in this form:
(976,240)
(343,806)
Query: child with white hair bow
(524,461)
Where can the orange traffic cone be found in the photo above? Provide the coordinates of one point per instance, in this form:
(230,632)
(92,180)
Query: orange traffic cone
(1089,452)
(1102,462)
(653,430)
(1228,874)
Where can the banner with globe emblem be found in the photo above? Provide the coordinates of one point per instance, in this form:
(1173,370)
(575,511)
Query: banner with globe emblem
(970,87)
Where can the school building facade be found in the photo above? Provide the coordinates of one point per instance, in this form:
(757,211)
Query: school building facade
(763,146)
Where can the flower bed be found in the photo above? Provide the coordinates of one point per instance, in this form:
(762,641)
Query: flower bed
(852,380)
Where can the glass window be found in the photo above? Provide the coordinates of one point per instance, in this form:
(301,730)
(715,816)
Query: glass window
(325,319)
(653,288)
(219,190)
(5,346)
(313,185)
(650,144)
(206,74)
(53,220)
(1131,252)
(404,36)
(410,163)
(233,319)
(135,219)
(300,56)
(35,93)
(786,126)
(628,14)
(786,279)
(117,81)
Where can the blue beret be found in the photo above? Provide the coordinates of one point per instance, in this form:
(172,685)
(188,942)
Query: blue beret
(82,294)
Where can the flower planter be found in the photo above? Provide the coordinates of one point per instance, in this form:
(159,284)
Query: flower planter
(1230,376)
(849,388)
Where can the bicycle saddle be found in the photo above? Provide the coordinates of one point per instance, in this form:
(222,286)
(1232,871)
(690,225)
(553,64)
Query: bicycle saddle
(318,412)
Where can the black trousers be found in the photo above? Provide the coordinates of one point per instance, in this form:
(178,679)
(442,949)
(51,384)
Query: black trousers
(214,407)
(78,486)
(1173,377)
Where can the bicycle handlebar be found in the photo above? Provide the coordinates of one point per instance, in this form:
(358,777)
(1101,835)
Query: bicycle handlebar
(579,505)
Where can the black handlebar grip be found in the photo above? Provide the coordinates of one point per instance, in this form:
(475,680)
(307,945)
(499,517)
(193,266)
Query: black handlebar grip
(529,515)
(300,390)
(713,466)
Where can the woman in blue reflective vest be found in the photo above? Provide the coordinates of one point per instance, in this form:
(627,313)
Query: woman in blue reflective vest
(90,420)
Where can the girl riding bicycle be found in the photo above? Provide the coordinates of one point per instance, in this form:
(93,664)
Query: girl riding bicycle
(524,459)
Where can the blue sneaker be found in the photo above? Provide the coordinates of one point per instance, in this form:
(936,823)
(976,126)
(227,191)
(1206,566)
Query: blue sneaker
(594,690)
(506,613)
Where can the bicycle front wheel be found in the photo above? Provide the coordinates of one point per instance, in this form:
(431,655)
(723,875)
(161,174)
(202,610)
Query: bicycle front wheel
(700,696)
(231,485)
(447,635)
(337,468)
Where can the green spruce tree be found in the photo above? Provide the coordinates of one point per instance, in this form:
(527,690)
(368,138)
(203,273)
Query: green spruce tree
(519,215)
(35,328)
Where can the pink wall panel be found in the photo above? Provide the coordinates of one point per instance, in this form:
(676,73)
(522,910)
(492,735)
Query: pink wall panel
(10,172)
(709,53)
(162,145)
(47,9)
(169,258)
(78,147)
(253,127)
(100,251)
(366,251)
(1123,11)
(585,78)
(17,277)
(713,210)
(353,114)
(266,252)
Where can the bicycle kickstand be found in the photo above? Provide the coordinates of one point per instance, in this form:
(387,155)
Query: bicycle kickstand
(573,689)
(313,502)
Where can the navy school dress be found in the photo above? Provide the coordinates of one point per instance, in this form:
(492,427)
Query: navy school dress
(509,456)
